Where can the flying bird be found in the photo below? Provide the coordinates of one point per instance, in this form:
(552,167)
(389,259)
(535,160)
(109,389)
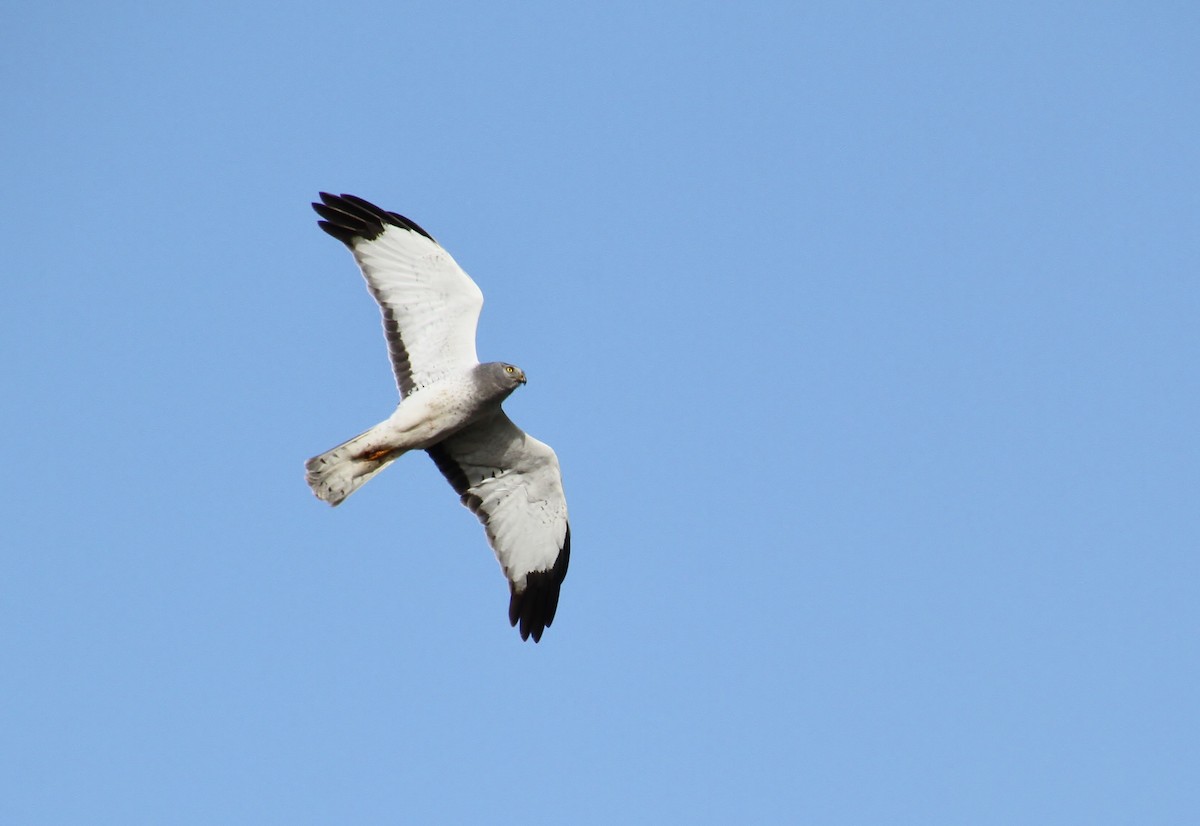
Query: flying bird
(450,407)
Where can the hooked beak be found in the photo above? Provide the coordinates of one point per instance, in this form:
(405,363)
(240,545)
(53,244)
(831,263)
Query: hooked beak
(522,377)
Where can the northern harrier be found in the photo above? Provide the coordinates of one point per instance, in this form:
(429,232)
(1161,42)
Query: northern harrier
(450,407)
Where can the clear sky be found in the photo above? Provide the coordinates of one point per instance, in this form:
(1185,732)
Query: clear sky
(866,334)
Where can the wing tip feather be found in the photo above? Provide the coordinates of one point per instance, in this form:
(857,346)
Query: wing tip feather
(348,218)
(534,607)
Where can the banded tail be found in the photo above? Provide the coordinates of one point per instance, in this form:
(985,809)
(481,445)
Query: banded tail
(337,473)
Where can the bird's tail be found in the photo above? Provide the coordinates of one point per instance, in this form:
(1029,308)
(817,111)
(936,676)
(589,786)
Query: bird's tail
(337,473)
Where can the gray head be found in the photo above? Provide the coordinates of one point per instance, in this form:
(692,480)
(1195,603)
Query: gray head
(499,378)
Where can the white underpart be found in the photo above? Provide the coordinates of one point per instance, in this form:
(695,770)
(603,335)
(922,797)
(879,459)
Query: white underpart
(423,419)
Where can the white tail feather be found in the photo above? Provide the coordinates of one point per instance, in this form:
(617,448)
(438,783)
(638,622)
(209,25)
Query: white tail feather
(337,473)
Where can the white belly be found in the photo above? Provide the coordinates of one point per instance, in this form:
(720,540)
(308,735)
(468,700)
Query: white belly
(429,415)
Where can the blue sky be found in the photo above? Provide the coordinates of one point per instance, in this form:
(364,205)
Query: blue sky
(865,334)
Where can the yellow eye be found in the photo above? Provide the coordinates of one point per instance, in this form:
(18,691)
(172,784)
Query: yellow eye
(508,369)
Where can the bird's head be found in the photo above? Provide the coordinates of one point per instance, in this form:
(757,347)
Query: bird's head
(514,374)
(504,377)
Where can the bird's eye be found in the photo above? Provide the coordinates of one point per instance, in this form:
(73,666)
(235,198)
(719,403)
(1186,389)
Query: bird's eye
(508,369)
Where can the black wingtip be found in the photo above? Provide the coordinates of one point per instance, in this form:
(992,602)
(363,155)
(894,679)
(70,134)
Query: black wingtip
(348,218)
(535,607)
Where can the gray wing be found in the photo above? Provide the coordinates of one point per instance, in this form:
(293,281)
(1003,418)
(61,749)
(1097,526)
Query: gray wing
(512,482)
(430,306)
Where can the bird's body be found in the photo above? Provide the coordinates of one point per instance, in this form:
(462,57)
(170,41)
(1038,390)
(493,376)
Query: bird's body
(450,406)
(424,418)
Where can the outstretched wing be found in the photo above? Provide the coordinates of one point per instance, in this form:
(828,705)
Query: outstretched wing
(512,482)
(430,306)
